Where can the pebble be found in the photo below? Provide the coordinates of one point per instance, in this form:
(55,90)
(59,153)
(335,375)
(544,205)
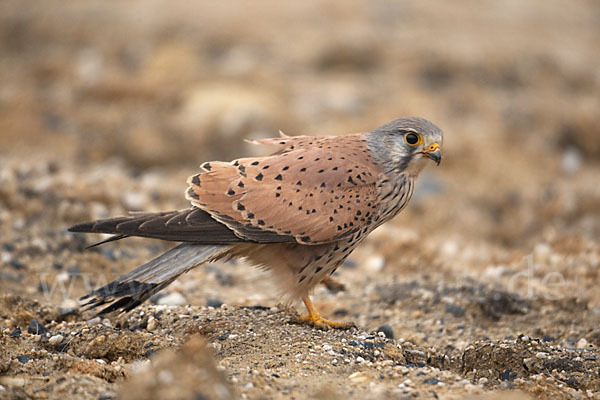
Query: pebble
(571,160)
(582,343)
(36,327)
(56,339)
(216,303)
(152,324)
(386,330)
(455,310)
(16,333)
(357,377)
(375,263)
(172,299)
(24,359)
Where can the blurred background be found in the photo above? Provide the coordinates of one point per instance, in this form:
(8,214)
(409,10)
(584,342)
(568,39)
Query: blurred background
(107,107)
(151,88)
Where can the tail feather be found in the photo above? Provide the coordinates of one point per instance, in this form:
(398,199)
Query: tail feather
(137,286)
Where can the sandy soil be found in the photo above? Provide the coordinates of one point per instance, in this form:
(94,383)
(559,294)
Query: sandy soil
(486,287)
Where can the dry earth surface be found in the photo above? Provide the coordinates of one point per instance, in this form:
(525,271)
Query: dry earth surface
(486,287)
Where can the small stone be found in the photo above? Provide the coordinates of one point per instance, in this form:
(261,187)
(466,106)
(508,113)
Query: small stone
(455,310)
(24,359)
(172,299)
(56,339)
(152,324)
(541,355)
(357,377)
(582,343)
(16,333)
(375,263)
(68,311)
(387,330)
(571,160)
(431,381)
(216,303)
(37,328)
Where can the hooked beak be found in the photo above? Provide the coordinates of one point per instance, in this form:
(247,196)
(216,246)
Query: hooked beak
(434,152)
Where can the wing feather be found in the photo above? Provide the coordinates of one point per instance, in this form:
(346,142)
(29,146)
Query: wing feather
(316,190)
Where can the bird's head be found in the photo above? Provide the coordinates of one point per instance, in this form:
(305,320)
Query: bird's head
(406,144)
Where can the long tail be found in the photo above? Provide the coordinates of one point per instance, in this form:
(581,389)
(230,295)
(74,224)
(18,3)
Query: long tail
(135,287)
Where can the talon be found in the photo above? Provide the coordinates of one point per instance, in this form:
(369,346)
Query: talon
(314,319)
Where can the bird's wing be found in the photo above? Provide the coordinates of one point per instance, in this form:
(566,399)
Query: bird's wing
(190,225)
(314,190)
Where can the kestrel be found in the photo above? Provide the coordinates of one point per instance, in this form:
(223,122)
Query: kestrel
(298,212)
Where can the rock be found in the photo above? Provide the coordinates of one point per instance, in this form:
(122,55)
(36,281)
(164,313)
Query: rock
(214,303)
(37,328)
(24,359)
(152,324)
(56,340)
(387,330)
(172,299)
(455,310)
(375,264)
(16,333)
(66,311)
(571,161)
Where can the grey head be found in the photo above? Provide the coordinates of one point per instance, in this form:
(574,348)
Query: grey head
(406,144)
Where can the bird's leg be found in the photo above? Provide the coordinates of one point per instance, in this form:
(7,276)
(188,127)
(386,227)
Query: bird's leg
(314,319)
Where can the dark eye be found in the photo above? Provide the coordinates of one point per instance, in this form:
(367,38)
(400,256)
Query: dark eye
(412,138)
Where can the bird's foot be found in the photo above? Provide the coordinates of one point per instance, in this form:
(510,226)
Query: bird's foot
(314,318)
(317,321)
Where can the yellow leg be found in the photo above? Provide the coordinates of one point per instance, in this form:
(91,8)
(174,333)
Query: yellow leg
(314,319)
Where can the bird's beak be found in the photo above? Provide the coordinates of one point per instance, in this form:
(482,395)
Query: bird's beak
(434,152)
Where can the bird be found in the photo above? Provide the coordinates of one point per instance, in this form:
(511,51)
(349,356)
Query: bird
(298,212)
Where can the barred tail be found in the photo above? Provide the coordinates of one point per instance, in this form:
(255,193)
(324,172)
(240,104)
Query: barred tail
(137,286)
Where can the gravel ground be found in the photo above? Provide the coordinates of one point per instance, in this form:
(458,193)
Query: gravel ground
(486,287)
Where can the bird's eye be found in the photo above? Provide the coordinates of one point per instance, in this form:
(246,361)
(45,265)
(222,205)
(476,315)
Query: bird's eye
(412,139)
